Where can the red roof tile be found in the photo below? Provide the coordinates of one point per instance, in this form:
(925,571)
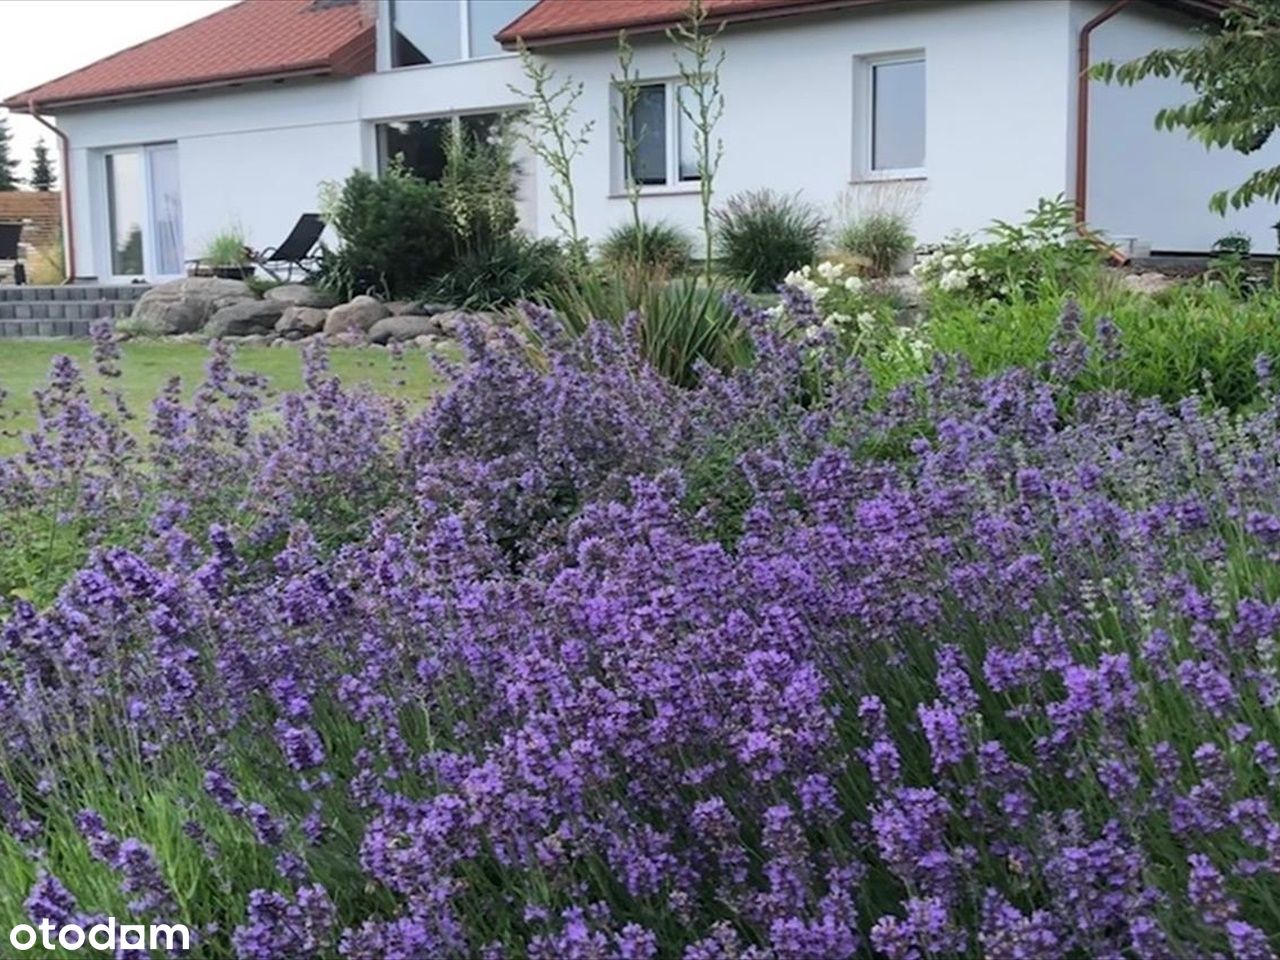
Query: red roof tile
(562,21)
(253,39)
(554,21)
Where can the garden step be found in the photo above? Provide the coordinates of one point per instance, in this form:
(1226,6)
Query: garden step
(58,319)
(72,292)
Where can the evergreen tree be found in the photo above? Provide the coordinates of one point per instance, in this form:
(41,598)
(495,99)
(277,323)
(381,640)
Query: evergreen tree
(8,177)
(41,169)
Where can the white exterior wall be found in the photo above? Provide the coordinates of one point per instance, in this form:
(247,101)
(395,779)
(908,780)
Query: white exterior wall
(250,157)
(996,77)
(1154,184)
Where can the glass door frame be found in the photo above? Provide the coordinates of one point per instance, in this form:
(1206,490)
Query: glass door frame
(106,250)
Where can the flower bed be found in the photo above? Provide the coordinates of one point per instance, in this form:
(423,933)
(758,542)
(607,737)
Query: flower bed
(578,663)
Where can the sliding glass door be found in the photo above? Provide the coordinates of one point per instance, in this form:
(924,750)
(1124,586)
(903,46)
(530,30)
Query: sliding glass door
(144,212)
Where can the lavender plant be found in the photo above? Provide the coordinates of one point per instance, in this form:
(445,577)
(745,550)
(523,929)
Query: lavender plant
(1008,692)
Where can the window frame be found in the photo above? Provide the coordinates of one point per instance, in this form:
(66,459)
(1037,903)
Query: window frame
(675,122)
(453,117)
(864,117)
(386,31)
(104,246)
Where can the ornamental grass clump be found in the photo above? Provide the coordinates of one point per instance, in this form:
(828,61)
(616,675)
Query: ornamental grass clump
(762,235)
(1009,692)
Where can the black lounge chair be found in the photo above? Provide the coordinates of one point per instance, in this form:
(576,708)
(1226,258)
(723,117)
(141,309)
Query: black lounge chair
(296,249)
(10,236)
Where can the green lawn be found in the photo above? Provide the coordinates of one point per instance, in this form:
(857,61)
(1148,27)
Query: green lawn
(147,365)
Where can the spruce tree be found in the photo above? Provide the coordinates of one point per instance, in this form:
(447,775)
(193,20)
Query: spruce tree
(41,169)
(8,165)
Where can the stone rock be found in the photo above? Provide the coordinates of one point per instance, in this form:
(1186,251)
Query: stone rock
(359,315)
(184,306)
(1148,283)
(418,308)
(452,321)
(254,339)
(243,319)
(301,320)
(397,329)
(301,295)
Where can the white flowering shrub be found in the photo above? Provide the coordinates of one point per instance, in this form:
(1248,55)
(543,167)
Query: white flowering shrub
(1041,258)
(854,312)
(953,267)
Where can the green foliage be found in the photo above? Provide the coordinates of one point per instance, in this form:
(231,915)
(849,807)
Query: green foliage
(653,244)
(679,324)
(764,235)
(479,188)
(500,272)
(395,234)
(702,104)
(881,239)
(1043,257)
(1196,337)
(1235,72)
(226,249)
(42,177)
(9,179)
(548,126)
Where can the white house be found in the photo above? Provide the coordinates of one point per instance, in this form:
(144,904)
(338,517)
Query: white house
(972,108)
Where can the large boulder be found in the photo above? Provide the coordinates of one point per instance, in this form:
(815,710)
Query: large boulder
(301,295)
(184,306)
(418,308)
(301,321)
(451,322)
(243,319)
(1150,283)
(359,315)
(398,329)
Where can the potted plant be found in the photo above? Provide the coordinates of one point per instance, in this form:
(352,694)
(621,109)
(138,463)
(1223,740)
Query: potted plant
(227,256)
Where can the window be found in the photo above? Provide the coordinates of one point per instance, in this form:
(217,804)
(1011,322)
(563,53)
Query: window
(663,136)
(144,211)
(125,207)
(445,31)
(896,134)
(420,144)
(487,17)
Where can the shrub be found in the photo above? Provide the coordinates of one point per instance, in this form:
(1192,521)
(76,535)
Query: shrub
(831,303)
(881,239)
(1191,338)
(762,236)
(677,325)
(395,234)
(47,264)
(656,246)
(226,249)
(500,272)
(1044,257)
(478,189)
(1010,692)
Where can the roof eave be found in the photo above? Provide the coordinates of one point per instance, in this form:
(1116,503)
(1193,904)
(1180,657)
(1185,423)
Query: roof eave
(22,103)
(511,39)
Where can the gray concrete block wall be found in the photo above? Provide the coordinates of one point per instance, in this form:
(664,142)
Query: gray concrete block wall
(63,311)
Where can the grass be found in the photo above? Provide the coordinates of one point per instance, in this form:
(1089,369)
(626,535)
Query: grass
(147,365)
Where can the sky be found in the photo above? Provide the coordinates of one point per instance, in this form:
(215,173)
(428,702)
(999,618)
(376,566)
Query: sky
(43,39)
